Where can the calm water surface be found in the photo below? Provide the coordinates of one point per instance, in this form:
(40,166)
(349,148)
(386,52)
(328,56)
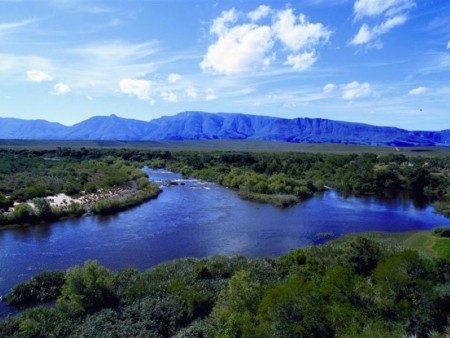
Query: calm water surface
(197,219)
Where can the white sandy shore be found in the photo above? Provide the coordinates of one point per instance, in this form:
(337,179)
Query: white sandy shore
(63,200)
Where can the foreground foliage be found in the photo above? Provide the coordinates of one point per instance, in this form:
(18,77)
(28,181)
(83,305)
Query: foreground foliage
(356,288)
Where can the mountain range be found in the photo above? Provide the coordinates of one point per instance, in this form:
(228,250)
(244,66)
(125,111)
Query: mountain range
(212,126)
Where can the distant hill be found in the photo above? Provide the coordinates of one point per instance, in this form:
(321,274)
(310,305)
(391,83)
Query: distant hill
(209,126)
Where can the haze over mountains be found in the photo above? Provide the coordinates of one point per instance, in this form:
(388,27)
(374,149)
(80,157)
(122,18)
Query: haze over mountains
(208,126)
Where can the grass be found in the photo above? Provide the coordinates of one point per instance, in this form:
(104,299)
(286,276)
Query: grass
(422,241)
(229,145)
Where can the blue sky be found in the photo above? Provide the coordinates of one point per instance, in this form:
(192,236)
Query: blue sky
(383,62)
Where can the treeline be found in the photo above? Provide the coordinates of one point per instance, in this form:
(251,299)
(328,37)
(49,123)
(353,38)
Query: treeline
(27,177)
(358,288)
(286,178)
(282,179)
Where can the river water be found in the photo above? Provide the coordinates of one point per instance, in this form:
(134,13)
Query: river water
(198,219)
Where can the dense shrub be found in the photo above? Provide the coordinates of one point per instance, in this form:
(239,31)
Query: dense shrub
(442,231)
(357,288)
(43,287)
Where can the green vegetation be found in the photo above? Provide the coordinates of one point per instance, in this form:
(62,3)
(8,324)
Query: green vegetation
(284,179)
(95,182)
(442,232)
(355,287)
(426,243)
(43,287)
(114,178)
(227,145)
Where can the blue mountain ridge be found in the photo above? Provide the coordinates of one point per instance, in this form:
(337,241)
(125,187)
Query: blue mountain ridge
(218,126)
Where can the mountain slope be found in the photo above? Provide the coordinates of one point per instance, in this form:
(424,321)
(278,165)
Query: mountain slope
(11,128)
(206,126)
(108,128)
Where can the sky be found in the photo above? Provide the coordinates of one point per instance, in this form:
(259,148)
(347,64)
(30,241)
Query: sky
(382,62)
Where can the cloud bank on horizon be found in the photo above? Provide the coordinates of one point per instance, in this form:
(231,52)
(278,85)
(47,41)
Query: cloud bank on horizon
(383,62)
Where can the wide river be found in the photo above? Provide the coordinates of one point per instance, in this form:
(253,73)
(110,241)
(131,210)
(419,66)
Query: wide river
(198,219)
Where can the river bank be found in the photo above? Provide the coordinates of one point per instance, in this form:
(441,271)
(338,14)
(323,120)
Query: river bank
(61,206)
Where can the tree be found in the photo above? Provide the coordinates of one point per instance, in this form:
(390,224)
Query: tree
(42,207)
(87,289)
(293,308)
(4,202)
(236,306)
(22,213)
(362,255)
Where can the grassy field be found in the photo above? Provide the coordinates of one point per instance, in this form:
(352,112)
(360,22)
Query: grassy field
(229,145)
(422,241)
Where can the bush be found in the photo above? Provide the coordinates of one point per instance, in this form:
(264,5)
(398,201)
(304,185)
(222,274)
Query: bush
(87,289)
(43,287)
(22,213)
(442,232)
(42,207)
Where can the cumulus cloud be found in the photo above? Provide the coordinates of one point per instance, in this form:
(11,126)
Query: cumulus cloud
(367,34)
(244,47)
(259,13)
(60,89)
(38,76)
(220,24)
(138,88)
(239,49)
(391,13)
(169,96)
(418,91)
(302,61)
(329,88)
(172,78)
(298,33)
(355,90)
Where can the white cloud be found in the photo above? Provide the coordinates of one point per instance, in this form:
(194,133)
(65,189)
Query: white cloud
(169,96)
(418,91)
(354,90)
(191,92)
(172,78)
(138,88)
(259,13)
(364,35)
(100,67)
(298,34)
(12,66)
(367,34)
(301,62)
(116,52)
(249,47)
(38,76)
(60,89)
(391,13)
(210,96)
(448,44)
(239,49)
(10,27)
(373,8)
(220,24)
(329,87)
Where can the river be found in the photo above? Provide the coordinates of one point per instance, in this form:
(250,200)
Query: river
(198,219)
